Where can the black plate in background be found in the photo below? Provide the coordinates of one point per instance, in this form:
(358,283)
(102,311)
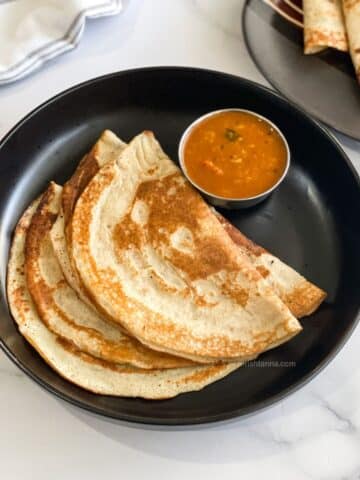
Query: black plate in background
(323,84)
(311,222)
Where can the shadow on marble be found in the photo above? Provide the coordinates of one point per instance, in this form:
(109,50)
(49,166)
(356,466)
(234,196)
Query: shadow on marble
(327,407)
(231,441)
(210,444)
(309,413)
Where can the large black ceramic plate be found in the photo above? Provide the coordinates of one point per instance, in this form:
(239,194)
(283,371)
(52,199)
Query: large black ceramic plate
(323,84)
(311,222)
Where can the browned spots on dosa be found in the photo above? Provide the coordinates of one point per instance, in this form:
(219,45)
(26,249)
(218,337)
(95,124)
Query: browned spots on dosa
(166,215)
(18,299)
(238,294)
(69,347)
(332,39)
(74,187)
(264,272)
(88,198)
(129,350)
(123,369)
(350,4)
(128,234)
(304,300)
(41,224)
(217,346)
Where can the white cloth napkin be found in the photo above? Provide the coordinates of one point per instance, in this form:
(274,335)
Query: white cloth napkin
(34,31)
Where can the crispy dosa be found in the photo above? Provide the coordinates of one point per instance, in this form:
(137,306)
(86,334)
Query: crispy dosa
(151,254)
(108,147)
(299,295)
(81,369)
(64,313)
(324,26)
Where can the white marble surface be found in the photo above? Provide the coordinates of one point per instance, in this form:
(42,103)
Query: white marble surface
(314,434)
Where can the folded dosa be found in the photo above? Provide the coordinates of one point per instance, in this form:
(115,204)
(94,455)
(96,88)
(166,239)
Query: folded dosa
(299,295)
(352,20)
(64,313)
(84,370)
(108,147)
(153,256)
(323,26)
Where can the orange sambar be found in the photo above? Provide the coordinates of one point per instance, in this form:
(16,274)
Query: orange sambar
(234,154)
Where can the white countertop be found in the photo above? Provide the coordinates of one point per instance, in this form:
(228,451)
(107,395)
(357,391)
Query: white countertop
(313,434)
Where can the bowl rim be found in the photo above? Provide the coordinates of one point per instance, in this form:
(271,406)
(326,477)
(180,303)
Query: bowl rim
(198,120)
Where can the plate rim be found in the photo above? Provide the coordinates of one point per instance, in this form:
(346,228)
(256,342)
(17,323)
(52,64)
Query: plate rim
(240,413)
(273,83)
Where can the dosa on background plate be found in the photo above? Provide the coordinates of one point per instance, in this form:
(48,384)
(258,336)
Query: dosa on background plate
(153,256)
(324,26)
(64,313)
(84,370)
(352,19)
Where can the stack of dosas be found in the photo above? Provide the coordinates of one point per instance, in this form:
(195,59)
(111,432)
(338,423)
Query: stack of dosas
(127,283)
(335,24)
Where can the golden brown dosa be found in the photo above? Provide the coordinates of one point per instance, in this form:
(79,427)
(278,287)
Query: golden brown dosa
(81,369)
(64,313)
(299,295)
(324,26)
(152,255)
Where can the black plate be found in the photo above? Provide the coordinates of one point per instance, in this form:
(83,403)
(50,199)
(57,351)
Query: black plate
(324,84)
(311,222)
